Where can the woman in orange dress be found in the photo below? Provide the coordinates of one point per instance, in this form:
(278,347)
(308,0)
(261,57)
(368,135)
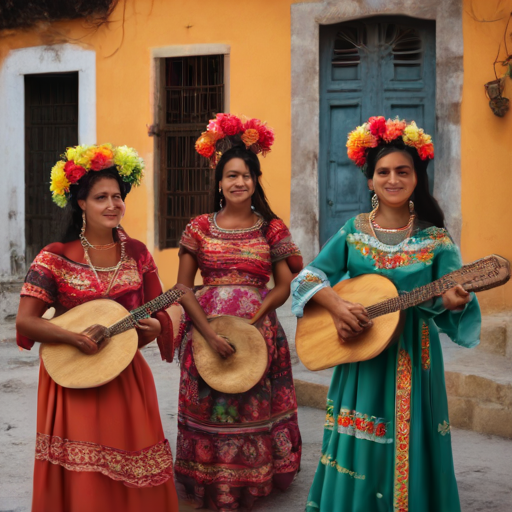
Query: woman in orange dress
(98,449)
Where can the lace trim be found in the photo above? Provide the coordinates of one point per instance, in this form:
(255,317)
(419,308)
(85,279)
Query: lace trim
(144,468)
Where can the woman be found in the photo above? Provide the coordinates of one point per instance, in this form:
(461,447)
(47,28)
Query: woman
(233,448)
(387,440)
(100,449)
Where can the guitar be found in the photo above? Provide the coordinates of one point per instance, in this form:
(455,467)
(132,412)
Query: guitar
(71,368)
(317,341)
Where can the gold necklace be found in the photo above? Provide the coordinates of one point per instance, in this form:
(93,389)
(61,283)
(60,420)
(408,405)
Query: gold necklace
(115,269)
(408,227)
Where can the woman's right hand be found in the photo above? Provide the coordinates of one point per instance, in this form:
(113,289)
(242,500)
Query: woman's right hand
(350,319)
(219,344)
(84,344)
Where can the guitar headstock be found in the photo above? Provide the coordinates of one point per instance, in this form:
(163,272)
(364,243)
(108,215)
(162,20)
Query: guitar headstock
(483,274)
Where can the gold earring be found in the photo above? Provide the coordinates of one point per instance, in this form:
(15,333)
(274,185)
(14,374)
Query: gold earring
(375,201)
(84,223)
(411,207)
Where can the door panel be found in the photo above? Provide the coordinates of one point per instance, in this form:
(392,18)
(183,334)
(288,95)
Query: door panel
(376,66)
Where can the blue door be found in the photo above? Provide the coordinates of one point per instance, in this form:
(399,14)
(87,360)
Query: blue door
(374,66)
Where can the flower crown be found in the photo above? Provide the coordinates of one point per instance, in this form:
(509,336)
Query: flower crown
(79,160)
(379,132)
(227,129)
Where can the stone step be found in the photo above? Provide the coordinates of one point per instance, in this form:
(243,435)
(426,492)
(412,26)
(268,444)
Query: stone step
(496,335)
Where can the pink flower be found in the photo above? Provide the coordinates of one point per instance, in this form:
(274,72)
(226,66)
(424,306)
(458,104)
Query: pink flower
(229,124)
(73,172)
(266,134)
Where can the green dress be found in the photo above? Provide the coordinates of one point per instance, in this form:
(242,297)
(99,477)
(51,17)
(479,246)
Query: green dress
(386,444)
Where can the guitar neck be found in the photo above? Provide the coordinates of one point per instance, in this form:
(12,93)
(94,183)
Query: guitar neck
(480,275)
(161,302)
(410,299)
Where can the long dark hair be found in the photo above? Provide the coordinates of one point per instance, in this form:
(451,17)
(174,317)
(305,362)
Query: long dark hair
(259,199)
(426,206)
(80,190)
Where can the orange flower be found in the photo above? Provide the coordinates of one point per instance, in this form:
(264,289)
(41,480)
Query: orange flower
(250,137)
(394,129)
(205,144)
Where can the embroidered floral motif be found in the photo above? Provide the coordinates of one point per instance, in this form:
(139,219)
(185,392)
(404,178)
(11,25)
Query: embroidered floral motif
(362,426)
(327,460)
(403,418)
(329,415)
(416,249)
(425,347)
(444,428)
(144,468)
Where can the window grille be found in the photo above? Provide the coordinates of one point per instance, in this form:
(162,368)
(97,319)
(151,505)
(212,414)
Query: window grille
(193,93)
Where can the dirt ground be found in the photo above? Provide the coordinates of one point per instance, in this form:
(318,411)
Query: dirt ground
(483,463)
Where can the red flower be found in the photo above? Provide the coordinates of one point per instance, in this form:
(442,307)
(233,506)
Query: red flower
(380,430)
(357,155)
(100,161)
(377,125)
(229,124)
(426,152)
(73,172)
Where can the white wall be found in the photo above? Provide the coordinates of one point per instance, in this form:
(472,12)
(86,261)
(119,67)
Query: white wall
(26,61)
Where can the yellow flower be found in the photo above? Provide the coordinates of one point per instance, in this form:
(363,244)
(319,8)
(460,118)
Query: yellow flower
(412,134)
(59,182)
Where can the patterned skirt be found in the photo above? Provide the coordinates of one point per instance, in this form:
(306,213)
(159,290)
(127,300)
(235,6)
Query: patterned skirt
(234,448)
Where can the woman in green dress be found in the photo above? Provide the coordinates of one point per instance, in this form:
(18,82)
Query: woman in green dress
(386,445)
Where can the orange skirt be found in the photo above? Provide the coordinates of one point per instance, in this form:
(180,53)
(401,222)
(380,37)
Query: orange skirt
(102,449)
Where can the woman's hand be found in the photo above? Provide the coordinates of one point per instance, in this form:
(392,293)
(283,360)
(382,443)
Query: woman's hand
(350,319)
(455,298)
(85,344)
(148,329)
(220,345)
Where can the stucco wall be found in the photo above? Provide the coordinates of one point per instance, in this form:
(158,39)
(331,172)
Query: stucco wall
(486,148)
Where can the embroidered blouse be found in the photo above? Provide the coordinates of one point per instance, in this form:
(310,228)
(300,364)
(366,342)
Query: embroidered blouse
(239,256)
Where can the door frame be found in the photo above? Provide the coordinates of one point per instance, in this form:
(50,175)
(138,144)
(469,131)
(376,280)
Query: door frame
(27,61)
(306,19)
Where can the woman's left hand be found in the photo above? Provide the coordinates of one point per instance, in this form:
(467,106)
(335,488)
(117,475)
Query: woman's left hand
(455,298)
(149,329)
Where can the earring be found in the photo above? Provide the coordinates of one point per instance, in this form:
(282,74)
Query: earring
(375,201)
(84,223)
(411,207)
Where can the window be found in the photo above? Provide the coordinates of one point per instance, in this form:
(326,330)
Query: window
(192,93)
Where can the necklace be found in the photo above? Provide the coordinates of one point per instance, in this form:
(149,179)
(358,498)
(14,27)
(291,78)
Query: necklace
(104,247)
(115,269)
(374,225)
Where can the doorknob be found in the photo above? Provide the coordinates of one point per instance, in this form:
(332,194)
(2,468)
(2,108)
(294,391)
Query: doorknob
(330,203)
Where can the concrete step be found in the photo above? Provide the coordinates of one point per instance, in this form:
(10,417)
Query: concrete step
(496,335)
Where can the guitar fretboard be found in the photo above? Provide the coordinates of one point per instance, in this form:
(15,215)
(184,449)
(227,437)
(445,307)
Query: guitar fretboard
(477,276)
(161,302)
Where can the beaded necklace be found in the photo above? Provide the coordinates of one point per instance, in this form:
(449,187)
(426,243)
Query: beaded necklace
(407,228)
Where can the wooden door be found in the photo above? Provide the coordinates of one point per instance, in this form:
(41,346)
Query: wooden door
(51,125)
(375,66)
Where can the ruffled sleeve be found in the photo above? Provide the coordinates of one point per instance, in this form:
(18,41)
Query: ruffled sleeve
(152,289)
(463,327)
(39,281)
(40,284)
(327,269)
(282,247)
(192,235)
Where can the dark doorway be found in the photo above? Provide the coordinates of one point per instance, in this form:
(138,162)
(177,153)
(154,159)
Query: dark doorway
(51,125)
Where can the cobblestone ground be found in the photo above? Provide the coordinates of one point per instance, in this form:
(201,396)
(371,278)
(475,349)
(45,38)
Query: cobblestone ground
(483,463)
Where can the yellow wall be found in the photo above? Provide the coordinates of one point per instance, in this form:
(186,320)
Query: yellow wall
(486,147)
(259,34)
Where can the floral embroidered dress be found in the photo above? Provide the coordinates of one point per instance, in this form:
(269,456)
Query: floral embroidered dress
(233,448)
(101,449)
(386,445)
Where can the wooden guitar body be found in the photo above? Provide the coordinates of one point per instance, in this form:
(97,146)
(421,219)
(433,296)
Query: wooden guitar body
(70,367)
(317,342)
